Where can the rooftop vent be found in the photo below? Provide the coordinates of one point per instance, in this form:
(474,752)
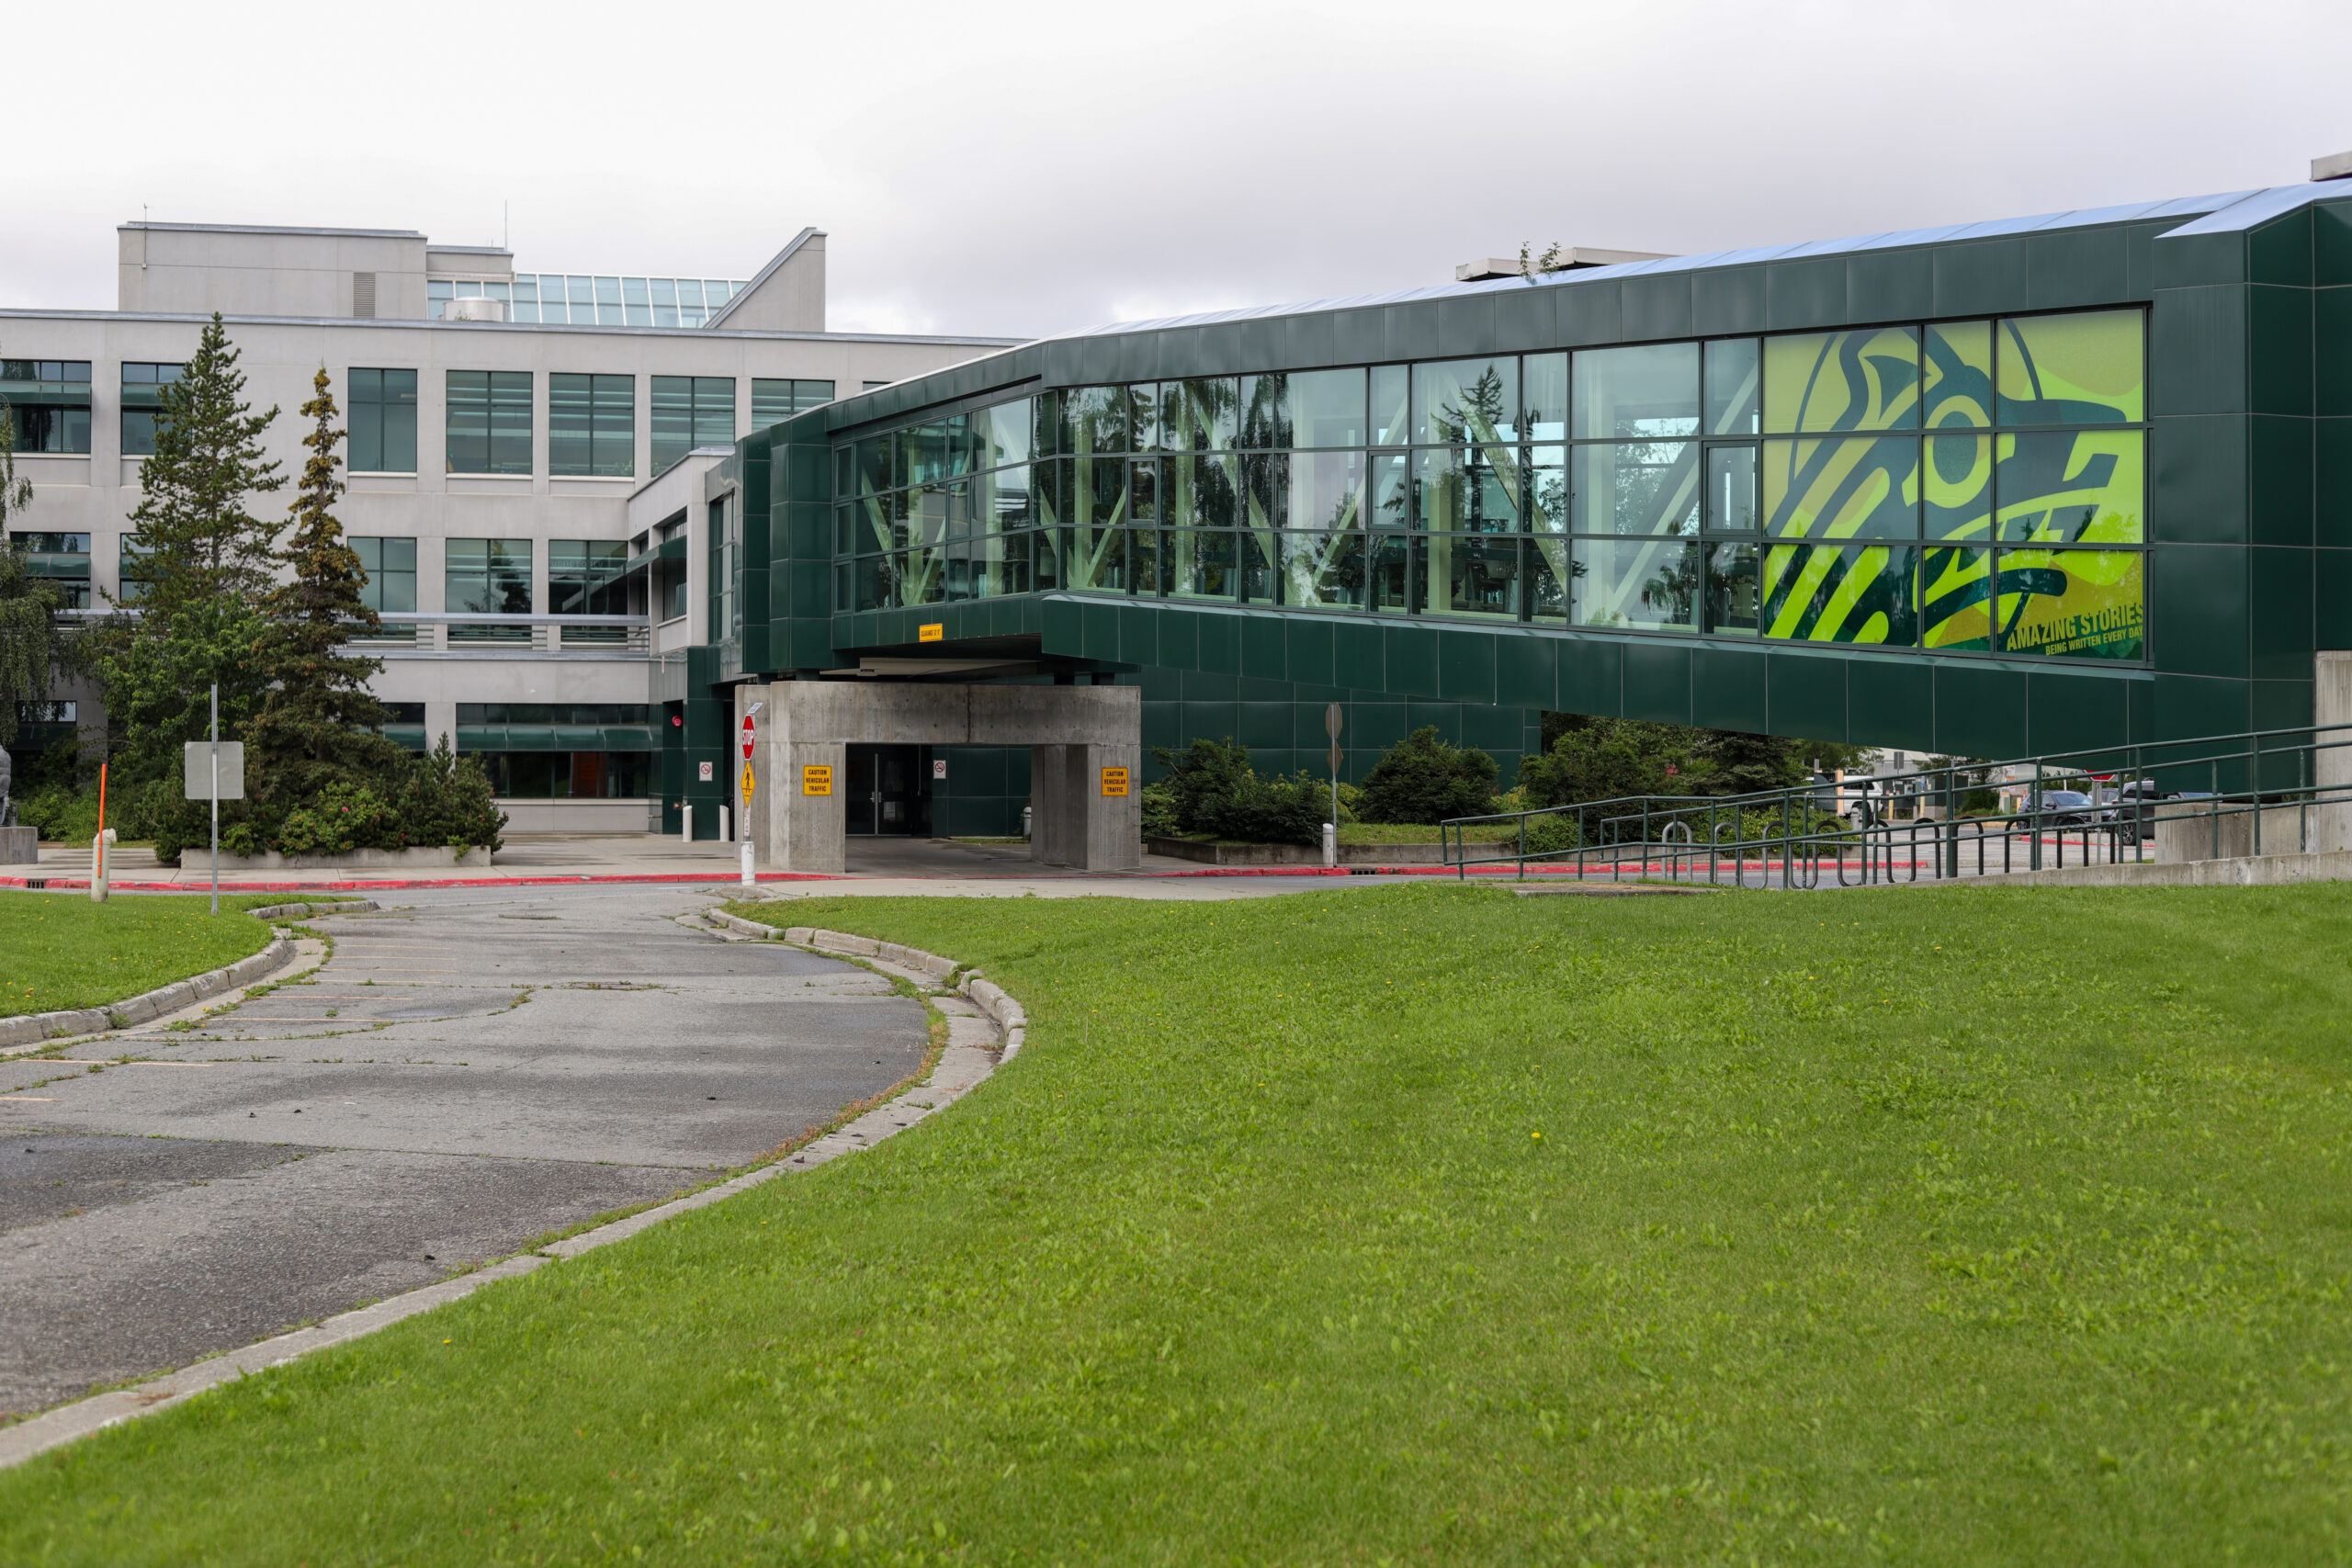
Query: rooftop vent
(2335,166)
(1567,258)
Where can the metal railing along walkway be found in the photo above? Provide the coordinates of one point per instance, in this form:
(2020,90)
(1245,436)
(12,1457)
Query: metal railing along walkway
(2254,793)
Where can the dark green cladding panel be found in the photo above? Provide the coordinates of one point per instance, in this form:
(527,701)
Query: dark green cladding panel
(1592,677)
(1727,689)
(1727,302)
(1261,648)
(2074,268)
(1980,278)
(2197,351)
(1179,640)
(2197,463)
(1443,717)
(1263,342)
(1307,342)
(1980,710)
(1258,689)
(1064,632)
(2280,251)
(1590,313)
(1265,724)
(2281,704)
(1805,695)
(1888,286)
(1658,682)
(2332,244)
(1220,652)
(2332,599)
(2281,582)
(1802,294)
(1413,332)
(1375,724)
(2196,609)
(2331,351)
(1360,337)
(2067,710)
(1526,674)
(2139,258)
(1099,633)
(1525,318)
(1360,655)
(1208,686)
(1467,325)
(2279,364)
(2332,481)
(1466,666)
(2188,706)
(1655,307)
(1411,658)
(1139,635)
(2196,261)
(1306,651)
(2278,479)
(1893,699)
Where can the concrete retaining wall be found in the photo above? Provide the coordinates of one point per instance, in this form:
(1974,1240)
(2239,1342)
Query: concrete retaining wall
(439,858)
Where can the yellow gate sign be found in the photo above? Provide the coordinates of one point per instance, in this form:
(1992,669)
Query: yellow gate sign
(747,784)
(816,780)
(931,631)
(1114,781)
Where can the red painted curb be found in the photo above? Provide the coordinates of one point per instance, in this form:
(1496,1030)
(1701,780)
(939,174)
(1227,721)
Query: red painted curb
(61,882)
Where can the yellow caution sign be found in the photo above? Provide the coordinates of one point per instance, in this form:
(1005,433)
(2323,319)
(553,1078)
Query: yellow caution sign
(816,780)
(1114,781)
(747,784)
(931,631)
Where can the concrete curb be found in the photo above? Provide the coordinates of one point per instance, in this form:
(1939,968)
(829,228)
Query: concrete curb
(1010,1018)
(34,1027)
(964,1066)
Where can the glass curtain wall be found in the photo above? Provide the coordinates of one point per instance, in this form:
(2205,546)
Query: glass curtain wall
(1957,486)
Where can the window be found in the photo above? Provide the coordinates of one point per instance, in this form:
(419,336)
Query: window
(390,566)
(52,400)
(670,574)
(585,578)
(691,412)
(870,385)
(489,576)
(142,395)
(592,425)
(129,569)
(571,776)
(384,422)
(62,559)
(489,421)
(726,560)
(775,401)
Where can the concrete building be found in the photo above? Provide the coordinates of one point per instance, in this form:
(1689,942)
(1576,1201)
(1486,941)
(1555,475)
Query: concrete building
(527,462)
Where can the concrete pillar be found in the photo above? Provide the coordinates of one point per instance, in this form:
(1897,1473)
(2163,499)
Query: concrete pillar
(1077,825)
(813,829)
(2330,824)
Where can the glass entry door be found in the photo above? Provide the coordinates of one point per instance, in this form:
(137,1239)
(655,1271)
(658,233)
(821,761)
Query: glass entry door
(888,791)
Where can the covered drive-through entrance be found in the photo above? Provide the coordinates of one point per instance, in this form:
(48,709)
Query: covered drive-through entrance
(833,757)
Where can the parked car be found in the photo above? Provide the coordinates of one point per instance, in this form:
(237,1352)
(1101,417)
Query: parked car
(2135,805)
(2061,808)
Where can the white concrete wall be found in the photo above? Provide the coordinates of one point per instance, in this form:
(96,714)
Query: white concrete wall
(267,272)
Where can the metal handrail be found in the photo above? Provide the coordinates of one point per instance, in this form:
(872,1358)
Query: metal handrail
(2251,773)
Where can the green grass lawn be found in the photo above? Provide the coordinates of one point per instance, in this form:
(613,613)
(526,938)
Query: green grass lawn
(1425,1224)
(59,950)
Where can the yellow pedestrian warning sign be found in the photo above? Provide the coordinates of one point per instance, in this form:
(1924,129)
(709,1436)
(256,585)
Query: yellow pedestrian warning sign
(1114,781)
(816,780)
(747,784)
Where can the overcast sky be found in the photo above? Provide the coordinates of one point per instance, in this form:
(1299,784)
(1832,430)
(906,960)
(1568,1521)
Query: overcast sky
(1015,169)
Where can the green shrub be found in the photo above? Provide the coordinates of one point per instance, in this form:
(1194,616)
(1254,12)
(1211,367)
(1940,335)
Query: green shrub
(1211,788)
(1555,834)
(1159,820)
(344,817)
(62,815)
(1424,779)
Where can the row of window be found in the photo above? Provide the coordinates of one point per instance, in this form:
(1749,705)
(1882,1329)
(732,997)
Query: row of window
(559,299)
(592,419)
(2081,603)
(2073,369)
(479,575)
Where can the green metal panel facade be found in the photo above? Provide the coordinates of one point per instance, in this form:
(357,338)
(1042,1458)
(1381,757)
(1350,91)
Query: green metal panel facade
(2248,509)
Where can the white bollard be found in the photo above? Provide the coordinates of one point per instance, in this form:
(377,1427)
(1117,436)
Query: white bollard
(748,878)
(723,825)
(686,823)
(98,866)
(1330,846)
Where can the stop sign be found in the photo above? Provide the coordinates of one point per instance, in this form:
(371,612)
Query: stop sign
(747,739)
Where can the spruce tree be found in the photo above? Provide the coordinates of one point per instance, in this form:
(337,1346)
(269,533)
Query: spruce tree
(317,724)
(207,566)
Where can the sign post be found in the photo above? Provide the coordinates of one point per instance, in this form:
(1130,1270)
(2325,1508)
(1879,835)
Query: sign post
(214,730)
(213,771)
(1332,720)
(744,821)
